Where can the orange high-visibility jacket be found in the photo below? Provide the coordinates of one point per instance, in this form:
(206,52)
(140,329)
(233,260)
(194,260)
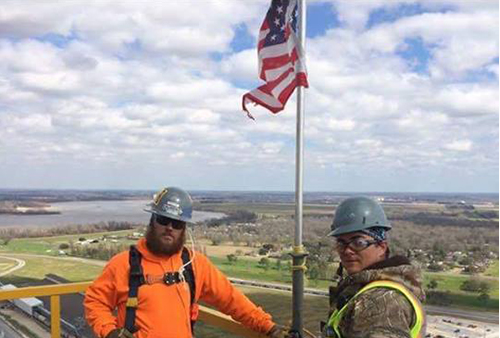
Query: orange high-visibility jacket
(164,310)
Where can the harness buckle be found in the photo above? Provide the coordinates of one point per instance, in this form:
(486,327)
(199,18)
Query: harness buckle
(132,302)
(170,278)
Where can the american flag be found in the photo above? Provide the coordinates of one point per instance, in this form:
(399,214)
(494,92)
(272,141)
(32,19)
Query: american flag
(281,59)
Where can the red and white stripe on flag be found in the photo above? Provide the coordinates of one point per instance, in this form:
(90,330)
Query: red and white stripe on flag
(281,59)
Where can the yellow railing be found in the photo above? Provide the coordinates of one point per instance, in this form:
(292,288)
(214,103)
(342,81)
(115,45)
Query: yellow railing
(206,315)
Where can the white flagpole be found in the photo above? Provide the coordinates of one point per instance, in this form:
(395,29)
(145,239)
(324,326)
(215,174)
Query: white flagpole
(299,253)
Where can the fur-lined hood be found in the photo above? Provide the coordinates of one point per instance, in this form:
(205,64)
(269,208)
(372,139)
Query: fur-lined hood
(397,269)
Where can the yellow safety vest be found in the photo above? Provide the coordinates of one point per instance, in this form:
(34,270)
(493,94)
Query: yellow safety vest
(416,331)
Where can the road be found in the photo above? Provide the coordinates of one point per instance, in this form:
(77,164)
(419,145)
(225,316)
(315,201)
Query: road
(19,264)
(7,332)
(484,317)
(73,259)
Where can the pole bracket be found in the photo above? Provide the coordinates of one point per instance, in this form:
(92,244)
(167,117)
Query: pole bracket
(299,255)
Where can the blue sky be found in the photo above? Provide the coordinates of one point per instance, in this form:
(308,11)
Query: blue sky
(403,97)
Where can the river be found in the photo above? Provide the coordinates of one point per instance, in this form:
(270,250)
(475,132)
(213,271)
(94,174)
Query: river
(84,212)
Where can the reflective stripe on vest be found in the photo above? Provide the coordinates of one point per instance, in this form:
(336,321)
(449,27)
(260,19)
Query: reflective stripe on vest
(416,330)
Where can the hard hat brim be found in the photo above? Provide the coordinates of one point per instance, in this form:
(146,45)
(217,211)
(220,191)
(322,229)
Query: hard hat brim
(355,228)
(178,218)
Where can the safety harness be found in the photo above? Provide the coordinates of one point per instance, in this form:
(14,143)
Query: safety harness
(136,279)
(416,331)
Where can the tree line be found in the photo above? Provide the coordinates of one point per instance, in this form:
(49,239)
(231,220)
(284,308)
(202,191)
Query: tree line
(482,219)
(238,216)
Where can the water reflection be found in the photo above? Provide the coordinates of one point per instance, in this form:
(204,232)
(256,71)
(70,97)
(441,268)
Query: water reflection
(93,212)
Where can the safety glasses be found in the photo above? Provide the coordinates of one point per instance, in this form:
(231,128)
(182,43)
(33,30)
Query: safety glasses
(165,221)
(356,244)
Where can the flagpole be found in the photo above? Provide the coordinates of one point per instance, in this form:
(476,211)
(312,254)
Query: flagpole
(299,253)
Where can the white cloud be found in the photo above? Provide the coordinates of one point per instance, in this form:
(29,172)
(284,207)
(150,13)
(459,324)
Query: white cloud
(271,148)
(355,14)
(27,123)
(469,100)
(191,90)
(56,81)
(157,27)
(369,143)
(459,145)
(459,42)
(29,56)
(334,124)
(127,88)
(178,155)
(203,115)
(242,65)
(421,120)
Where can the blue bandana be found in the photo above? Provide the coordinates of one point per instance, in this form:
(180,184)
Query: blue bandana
(378,233)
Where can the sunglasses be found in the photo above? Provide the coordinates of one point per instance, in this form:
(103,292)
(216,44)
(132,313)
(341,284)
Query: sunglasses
(165,221)
(356,244)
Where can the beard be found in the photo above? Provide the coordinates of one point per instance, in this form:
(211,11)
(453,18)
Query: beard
(157,247)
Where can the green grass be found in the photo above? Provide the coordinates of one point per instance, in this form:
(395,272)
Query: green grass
(37,267)
(449,282)
(492,270)
(471,301)
(6,265)
(249,269)
(279,305)
(50,245)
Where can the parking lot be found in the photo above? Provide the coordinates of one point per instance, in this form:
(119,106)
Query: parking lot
(448,327)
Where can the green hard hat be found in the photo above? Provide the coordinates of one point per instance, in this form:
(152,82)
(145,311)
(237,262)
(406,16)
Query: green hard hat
(173,203)
(356,214)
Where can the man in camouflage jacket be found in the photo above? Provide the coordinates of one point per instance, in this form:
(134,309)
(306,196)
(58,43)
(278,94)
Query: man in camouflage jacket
(389,308)
(379,312)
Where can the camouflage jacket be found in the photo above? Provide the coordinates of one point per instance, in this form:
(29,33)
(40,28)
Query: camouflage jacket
(379,312)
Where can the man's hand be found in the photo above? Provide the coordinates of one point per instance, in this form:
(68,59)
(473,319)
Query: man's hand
(120,333)
(278,331)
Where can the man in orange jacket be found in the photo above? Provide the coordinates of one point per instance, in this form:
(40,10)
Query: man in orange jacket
(155,286)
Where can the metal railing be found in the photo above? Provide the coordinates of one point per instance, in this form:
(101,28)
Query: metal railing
(206,315)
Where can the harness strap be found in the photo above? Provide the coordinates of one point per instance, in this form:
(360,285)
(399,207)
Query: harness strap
(136,279)
(189,277)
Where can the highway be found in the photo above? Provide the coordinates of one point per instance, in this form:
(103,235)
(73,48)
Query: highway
(484,317)
(7,332)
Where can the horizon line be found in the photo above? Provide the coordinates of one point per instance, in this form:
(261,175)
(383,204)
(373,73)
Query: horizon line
(255,191)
